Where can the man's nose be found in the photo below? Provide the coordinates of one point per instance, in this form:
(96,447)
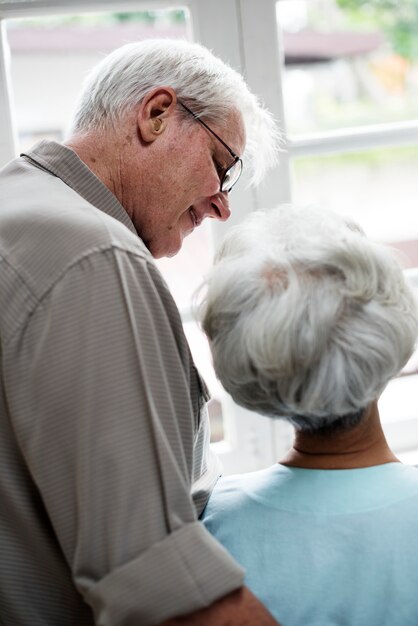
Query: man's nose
(217,207)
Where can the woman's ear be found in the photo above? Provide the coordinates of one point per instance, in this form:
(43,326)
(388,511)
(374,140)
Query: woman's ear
(155,111)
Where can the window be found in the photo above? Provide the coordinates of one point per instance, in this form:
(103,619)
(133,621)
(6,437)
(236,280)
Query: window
(350,92)
(345,92)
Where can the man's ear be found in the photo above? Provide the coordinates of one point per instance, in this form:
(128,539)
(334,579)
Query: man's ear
(155,111)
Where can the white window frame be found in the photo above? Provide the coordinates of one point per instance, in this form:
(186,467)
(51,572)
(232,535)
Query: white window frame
(245,34)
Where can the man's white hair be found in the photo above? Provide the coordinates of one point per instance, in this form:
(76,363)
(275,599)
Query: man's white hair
(202,81)
(307,318)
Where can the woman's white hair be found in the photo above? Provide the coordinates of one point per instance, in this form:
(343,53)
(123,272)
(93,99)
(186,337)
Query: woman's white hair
(204,83)
(307,318)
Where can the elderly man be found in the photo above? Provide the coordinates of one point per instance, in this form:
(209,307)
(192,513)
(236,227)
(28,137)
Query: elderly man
(103,430)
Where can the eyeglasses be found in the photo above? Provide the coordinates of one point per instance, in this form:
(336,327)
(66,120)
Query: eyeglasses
(232,173)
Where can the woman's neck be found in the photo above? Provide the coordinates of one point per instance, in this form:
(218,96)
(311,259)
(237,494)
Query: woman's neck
(364,445)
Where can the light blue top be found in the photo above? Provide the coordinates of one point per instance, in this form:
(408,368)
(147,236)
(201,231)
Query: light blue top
(325,547)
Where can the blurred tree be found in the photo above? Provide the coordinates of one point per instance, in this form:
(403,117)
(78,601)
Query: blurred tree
(397,18)
(150,17)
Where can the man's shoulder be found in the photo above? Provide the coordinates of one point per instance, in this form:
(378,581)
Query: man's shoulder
(31,197)
(46,226)
(46,230)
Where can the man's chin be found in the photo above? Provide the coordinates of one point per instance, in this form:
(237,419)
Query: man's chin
(167,249)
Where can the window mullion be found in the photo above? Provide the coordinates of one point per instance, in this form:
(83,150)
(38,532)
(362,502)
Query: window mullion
(8,135)
(263,60)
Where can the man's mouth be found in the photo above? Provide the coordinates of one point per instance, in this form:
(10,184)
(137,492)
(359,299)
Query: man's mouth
(195,219)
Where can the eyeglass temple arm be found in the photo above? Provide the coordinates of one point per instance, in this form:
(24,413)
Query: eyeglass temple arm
(231,152)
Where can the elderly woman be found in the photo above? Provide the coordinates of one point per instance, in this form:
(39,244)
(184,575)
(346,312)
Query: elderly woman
(308,320)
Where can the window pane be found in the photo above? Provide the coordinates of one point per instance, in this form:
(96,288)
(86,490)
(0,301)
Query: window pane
(348,62)
(399,413)
(51,55)
(202,357)
(185,272)
(378,188)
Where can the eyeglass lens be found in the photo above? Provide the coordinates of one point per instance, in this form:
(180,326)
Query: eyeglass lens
(231,175)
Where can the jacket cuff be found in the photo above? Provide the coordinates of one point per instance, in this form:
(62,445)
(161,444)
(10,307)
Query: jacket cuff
(187,571)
